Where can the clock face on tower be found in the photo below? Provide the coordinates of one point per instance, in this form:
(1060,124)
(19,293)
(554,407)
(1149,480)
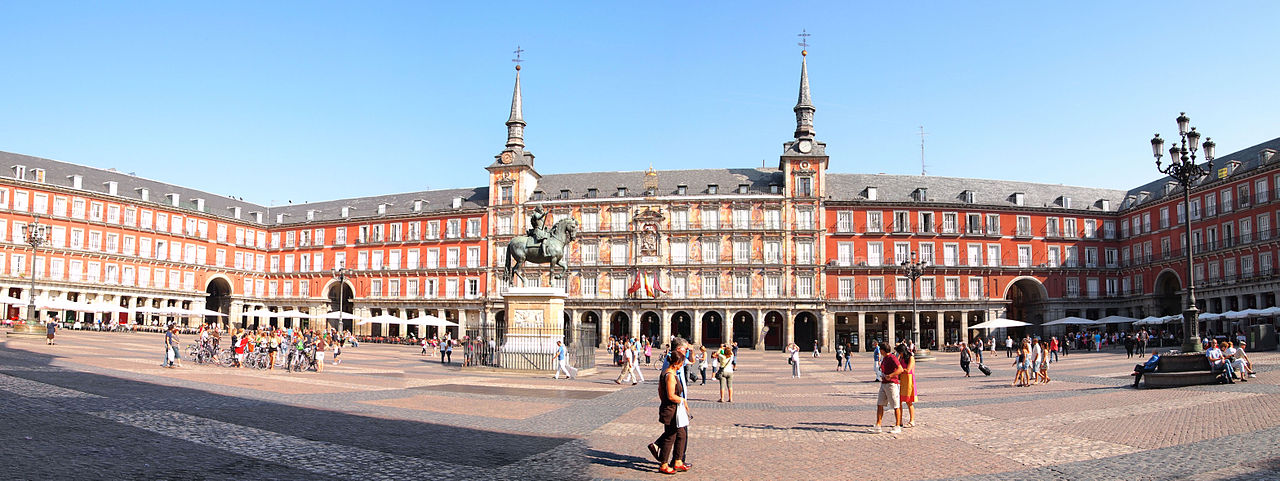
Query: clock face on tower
(507,157)
(804,146)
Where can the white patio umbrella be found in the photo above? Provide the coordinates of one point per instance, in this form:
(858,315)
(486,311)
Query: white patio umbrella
(1270,311)
(1242,314)
(259,312)
(334,315)
(110,308)
(8,299)
(999,323)
(1070,321)
(387,318)
(1211,316)
(207,312)
(430,320)
(1116,320)
(1151,321)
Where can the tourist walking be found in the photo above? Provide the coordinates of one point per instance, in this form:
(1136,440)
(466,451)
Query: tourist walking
(724,360)
(1129,344)
(50,330)
(702,363)
(562,362)
(793,357)
(321,345)
(170,340)
(816,349)
(628,370)
(1020,363)
(1008,346)
(848,356)
(839,357)
(965,358)
(673,413)
(907,384)
(635,362)
(889,396)
(875,358)
(1044,362)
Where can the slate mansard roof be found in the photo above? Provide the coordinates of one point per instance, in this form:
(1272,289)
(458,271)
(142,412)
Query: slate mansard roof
(890,189)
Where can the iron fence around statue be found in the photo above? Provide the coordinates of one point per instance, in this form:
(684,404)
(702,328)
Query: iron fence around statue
(528,348)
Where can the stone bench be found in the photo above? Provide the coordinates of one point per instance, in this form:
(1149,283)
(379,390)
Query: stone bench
(1178,370)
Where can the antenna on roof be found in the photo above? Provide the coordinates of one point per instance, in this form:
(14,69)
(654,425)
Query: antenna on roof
(923,171)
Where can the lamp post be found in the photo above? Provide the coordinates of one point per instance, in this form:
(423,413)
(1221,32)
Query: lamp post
(914,269)
(341,273)
(1183,168)
(35,234)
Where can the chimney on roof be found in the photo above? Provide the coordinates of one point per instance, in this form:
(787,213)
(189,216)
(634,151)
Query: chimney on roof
(144,193)
(174,199)
(77,181)
(113,187)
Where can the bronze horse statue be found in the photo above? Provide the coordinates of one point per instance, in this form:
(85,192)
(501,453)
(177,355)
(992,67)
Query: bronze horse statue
(553,251)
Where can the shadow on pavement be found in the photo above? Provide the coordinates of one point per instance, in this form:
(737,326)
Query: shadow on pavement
(51,435)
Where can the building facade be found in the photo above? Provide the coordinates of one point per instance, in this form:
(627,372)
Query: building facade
(758,256)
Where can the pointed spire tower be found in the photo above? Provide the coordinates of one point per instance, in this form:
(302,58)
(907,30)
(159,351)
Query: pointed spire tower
(804,159)
(511,176)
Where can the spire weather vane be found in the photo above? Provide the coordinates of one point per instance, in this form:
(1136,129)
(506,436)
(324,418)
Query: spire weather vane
(518,51)
(804,40)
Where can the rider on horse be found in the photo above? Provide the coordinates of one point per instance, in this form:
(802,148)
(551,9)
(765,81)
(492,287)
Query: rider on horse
(536,222)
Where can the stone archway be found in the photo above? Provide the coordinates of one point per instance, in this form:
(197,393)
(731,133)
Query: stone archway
(805,330)
(681,325)
(1168,293)
(620,325)
(712,329)
(341,298)
(651,325)
(218,298)
(744,330)
(773,330)
(591,323)
(1026,297)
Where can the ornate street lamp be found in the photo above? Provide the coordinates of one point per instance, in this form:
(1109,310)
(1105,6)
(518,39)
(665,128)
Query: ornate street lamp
(35,234)
(914,269)
(1183,168)
(341,273)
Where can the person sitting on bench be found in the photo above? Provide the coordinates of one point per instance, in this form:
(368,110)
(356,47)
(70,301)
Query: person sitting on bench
(1146,367)
(1218,362)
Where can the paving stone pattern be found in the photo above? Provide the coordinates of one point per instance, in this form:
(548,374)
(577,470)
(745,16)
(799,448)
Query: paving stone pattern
(98,405)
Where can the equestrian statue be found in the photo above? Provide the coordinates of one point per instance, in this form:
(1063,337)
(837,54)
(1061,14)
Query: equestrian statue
(541,246)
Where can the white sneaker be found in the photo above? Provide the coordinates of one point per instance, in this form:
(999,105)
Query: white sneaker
(876,429)
(1253,375)
(895,430)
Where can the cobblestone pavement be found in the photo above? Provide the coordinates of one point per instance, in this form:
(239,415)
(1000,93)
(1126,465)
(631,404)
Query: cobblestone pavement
(99,405)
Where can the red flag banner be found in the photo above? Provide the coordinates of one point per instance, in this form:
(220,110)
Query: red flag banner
(635,285)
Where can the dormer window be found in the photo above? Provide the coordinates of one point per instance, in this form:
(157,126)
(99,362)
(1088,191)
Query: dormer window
(417,205)
(279,219)
(537,195)
(969,197)
(20,172)
(311,215)
(1064,202)
(593,193)
(235,212)
(622,191)
(457,202)
(872,193)
(199,205)
(921,194)
(346,212)
(650,191)
(382,209)
(775,189)
(1169,187)
(682,189)
(564,194)
(112,187)
(77,181)
(1019,198)
(39,175)
(174,199)
(742,188)
(257,217)
(1266,155)
(1104,204)
(713,189)
(145,194)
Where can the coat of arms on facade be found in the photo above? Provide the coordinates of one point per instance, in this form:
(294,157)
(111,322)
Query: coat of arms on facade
(648,237)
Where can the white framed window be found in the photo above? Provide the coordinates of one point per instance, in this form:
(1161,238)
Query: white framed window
(875,254)
(679,252)
(845,288)
(679,286)
(741,218)
(951,288)
(928,288)
(710,218)
(993,255)
(875,288)
(1024,256)
(741,251)
(844,221)
(741,286)
(710,251)
(618,253)
(773,286)
(804,287)
(710,286)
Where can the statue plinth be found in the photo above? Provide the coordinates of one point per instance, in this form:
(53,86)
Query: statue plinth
(535,321)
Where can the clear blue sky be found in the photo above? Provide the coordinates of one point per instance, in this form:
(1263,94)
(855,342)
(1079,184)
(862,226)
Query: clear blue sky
(315,100)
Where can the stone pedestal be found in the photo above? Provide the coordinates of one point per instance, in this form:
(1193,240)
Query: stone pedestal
(535,321)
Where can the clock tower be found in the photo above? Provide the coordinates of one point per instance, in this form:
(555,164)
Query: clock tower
(804,160)
(512,179)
